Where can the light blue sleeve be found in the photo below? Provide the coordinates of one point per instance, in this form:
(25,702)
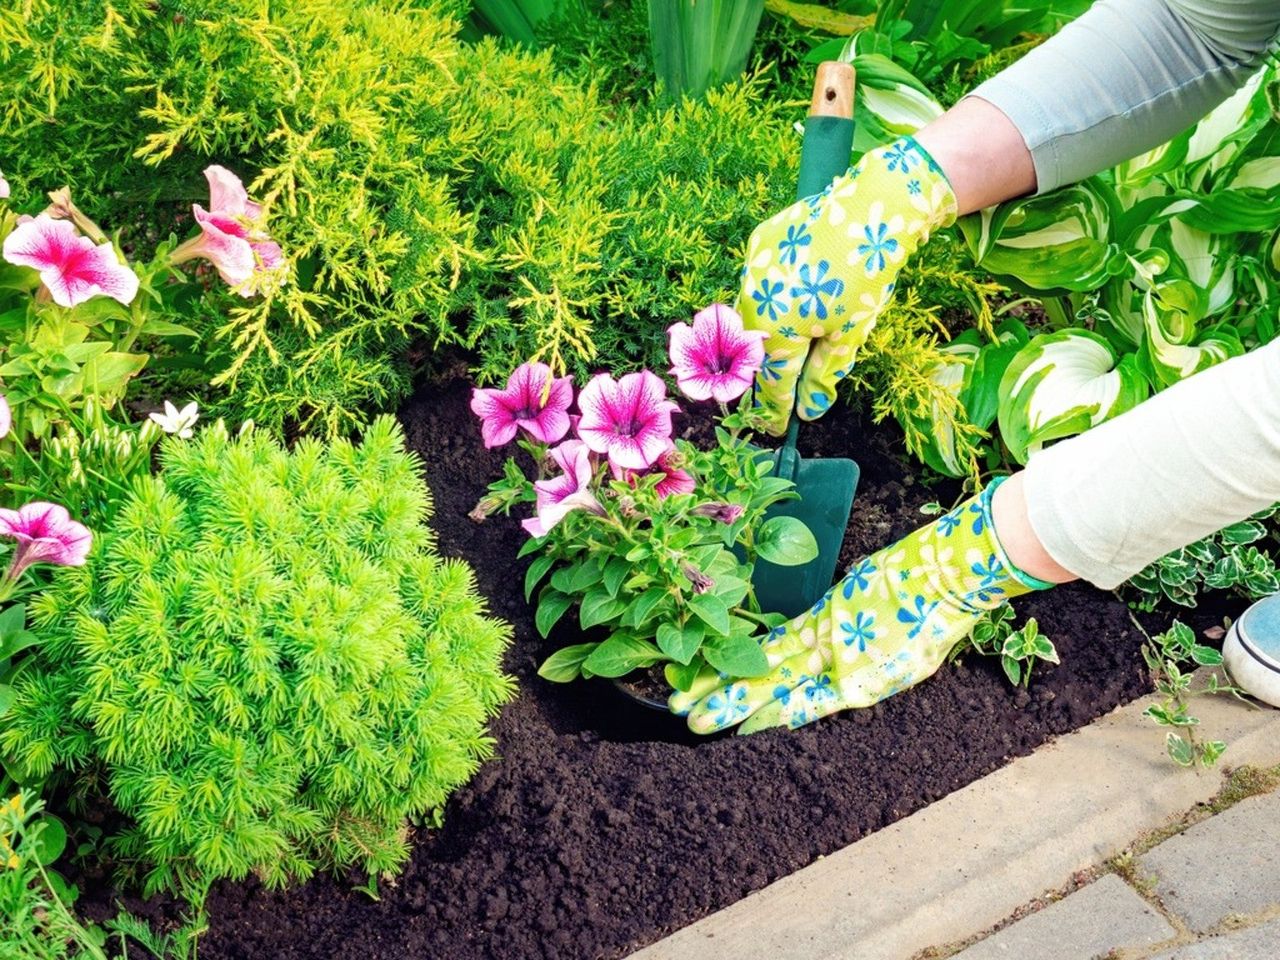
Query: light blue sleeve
(1126,76)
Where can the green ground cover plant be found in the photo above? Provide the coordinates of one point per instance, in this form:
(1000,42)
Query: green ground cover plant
(264,661)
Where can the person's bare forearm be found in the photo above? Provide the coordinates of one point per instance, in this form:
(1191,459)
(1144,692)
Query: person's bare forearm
(981,153)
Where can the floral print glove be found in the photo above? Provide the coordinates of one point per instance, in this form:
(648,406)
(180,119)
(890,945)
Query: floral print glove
(819,273)
(886,626)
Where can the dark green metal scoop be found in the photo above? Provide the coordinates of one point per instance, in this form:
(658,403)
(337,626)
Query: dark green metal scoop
(826,486)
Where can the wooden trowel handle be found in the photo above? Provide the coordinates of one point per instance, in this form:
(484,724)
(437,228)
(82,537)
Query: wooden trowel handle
(833,90)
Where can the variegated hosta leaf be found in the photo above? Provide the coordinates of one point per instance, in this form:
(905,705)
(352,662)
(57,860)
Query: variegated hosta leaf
(1216,139)
(1174,348)
(1059,241)
(1062,383)
(952,376)
(1206,260)
(890,101)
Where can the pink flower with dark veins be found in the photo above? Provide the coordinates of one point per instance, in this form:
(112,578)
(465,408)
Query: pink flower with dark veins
(674,479)
(234,239)
(45,533)
(526,404)
(726,513)
(570,491)
(716,358)
(73,268)
(629,420)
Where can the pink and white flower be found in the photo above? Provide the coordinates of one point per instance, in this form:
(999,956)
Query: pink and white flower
(629,420)
(674,479)
(233,237)
(73,268)
(6,417)
(4,188)
(716,358)
(570,491)
(45,533)
(527,403)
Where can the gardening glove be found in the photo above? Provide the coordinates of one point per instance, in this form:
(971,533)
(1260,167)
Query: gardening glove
(819,273)
(889,624)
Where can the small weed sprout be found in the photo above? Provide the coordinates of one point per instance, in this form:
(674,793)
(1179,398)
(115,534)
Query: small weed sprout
(1172,658)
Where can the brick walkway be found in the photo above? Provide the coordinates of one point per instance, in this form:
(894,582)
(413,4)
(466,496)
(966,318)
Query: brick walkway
(1210,893)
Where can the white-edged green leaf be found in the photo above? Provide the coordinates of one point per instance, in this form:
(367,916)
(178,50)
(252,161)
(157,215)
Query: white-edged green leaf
(1174,348)
(1060,384)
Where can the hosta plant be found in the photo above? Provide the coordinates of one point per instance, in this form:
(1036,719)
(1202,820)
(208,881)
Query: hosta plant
(264,661)
(653,540)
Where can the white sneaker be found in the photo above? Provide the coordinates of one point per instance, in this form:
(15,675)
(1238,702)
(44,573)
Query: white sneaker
(1251,651)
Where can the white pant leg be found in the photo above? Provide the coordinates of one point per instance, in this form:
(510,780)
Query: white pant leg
(1201,455)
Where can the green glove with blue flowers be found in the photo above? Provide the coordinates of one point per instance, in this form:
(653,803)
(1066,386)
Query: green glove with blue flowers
(819,273)
(889,624)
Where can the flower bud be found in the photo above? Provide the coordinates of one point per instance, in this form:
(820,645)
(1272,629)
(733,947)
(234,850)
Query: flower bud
(701,582)
(725,513)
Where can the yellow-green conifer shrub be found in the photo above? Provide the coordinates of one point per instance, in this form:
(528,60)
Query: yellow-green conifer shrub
(267,659)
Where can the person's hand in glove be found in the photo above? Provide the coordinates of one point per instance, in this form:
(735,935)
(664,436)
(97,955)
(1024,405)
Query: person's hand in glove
(889,624)
(819,273)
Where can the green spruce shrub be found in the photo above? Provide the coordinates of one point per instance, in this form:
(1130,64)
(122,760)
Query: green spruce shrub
(267,660)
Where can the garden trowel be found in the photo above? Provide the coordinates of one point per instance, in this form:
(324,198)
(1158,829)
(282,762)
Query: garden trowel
(826,486)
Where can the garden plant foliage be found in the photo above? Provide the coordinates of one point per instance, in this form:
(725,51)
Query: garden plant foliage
(267,660)
(424,188)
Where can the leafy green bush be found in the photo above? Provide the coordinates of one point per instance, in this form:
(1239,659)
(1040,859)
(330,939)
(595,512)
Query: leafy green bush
(267,659)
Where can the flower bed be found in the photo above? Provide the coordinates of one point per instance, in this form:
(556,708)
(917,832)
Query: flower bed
(588,837)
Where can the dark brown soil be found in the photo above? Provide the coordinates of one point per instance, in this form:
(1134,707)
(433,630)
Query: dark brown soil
(601,826)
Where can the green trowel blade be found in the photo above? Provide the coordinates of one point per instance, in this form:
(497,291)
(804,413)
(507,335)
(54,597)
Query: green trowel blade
(826,487)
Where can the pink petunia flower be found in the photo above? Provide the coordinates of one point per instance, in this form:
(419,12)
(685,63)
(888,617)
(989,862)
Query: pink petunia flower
(522,405)
(674,479)
(570,491)
(6,417)
(45,533)
(72,267)
(233,238)
(629,420)
(716,358)
(726,513)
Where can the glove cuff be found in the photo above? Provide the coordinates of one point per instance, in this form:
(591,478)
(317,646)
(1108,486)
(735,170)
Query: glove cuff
(928,189)
(1021,576)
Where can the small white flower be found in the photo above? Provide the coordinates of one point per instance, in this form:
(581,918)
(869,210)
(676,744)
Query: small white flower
(182,422)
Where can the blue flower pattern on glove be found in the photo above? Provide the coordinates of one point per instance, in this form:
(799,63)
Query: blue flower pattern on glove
(877,247)
(858,577)
(859,632)
(729,705)
(815,288)
(796,238)
(769,298)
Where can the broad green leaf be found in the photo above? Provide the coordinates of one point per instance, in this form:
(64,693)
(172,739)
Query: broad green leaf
(598,607)
(712,611)
(107,374)
(1206,656)
(680,643)
(537,570)
(15,643)
(615,571)
(737,655)
(813,16)
(566,663)
(1060,384)
(645,605)
(51,841)
(12,619)
(621,654)
(165,328)
(681,675)
(8,697)
(786,541)
(1012,669)
(551,607)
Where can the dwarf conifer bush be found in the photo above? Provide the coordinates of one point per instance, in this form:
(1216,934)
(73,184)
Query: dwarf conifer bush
(267,659)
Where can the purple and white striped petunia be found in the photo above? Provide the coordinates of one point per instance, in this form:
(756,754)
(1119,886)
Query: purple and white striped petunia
(45,533)
(716,358)
(526,403)
(674,479)
(570,491)
(628,420)
(72,267)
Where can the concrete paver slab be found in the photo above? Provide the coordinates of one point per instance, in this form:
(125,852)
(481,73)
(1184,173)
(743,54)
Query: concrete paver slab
(971,859)
(1104,916)
(1259,943)
(1224,865)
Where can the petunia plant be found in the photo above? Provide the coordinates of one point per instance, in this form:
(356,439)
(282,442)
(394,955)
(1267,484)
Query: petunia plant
(652,539)
(73,308)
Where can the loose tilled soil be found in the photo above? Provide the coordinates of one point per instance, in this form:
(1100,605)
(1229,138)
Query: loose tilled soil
(594,833)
